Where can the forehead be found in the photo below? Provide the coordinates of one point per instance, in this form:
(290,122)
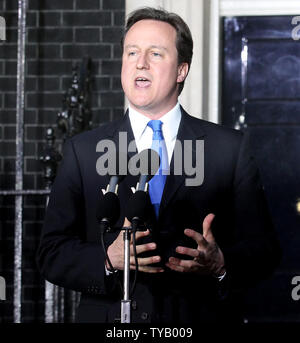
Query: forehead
(152,32)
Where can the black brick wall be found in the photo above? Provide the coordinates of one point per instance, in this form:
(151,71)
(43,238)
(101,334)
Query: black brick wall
(59,34)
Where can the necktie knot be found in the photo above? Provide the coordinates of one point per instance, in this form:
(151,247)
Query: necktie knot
(156,127)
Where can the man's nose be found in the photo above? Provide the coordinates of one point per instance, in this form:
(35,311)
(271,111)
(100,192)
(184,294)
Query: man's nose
(142,62)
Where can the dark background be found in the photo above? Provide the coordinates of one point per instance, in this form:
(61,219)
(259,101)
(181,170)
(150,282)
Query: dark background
(59,34)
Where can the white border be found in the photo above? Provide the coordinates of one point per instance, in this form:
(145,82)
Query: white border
(230,8)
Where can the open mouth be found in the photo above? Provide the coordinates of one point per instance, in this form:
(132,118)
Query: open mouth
(142,82)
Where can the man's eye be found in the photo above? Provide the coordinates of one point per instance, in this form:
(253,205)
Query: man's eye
(131,53)
(156,54)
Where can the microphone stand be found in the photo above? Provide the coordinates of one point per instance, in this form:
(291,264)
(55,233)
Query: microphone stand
(126,302)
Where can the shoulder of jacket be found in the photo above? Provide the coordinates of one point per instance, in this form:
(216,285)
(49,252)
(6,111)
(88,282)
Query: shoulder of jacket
(215,129)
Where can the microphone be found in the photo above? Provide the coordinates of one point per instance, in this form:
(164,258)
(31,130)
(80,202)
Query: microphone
(139,205)
(108,210)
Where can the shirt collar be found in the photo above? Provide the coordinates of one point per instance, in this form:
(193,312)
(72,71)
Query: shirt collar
(171,121)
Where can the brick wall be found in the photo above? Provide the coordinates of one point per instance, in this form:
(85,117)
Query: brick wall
(59,34)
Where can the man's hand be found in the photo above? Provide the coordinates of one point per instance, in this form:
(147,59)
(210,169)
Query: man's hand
(116,253)
(208,257)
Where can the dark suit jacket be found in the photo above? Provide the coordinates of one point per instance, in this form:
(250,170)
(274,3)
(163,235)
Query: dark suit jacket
(70,254)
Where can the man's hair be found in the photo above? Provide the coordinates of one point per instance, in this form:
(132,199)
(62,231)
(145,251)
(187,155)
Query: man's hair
(184,40)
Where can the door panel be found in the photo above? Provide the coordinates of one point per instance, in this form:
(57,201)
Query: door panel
(273,69)
(261,94)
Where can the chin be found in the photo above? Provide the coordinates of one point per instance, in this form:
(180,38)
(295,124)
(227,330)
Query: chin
(140,104)
(141,107)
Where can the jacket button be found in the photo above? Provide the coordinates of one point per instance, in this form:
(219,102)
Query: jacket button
(144,315)
(133,304)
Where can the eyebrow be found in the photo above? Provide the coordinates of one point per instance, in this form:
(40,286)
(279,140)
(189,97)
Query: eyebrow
(129,46)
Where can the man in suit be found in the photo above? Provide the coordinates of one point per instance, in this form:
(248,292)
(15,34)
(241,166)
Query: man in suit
(204,243)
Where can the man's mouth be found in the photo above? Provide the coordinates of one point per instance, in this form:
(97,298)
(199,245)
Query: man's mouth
(142,82)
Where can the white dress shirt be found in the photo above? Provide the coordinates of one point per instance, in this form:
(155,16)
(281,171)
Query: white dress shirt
(143,133)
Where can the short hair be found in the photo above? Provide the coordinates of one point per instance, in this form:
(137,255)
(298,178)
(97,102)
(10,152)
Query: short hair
(184,40)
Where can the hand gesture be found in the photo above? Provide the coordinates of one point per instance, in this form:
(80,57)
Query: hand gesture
(208,258)
(116,253)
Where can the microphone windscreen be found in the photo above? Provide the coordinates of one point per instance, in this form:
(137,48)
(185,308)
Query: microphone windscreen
(109,208)
(139,205)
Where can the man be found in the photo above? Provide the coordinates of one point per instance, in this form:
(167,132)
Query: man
(204,243)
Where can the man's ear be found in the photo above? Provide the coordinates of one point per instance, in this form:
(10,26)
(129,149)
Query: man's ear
(183,70)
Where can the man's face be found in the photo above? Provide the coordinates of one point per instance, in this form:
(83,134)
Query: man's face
(150,71)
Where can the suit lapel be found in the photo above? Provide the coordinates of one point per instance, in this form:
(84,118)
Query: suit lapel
(186,131)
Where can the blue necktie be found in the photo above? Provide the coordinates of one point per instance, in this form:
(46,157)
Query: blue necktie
(157,183)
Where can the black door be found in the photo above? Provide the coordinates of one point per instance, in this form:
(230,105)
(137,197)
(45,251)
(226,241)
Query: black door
(261,94)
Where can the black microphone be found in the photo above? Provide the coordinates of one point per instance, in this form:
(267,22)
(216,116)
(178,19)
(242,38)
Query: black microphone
(139,205)
(108,209)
